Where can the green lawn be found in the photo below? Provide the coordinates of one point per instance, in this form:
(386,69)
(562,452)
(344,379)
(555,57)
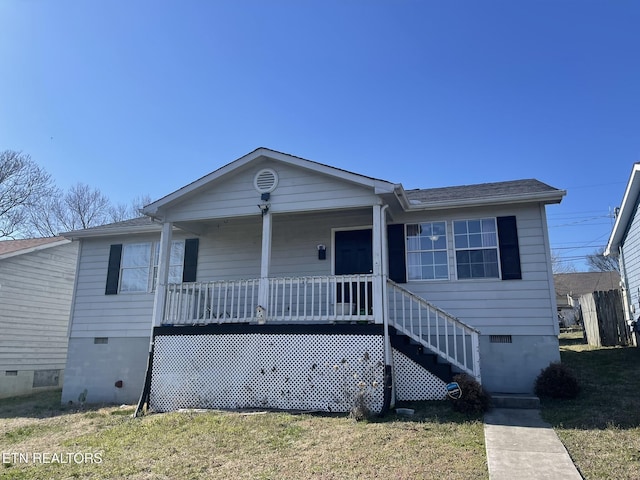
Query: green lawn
(435,443)
(600,428)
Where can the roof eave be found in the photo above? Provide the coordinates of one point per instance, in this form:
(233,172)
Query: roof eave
(109,232)
(34,249)
(627,208)
(379,186)
(544,197)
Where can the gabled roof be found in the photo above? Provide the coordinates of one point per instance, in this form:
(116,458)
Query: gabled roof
(465,196)
(581,283)
(379,186)
(10,248)
(515,191)
(625,214)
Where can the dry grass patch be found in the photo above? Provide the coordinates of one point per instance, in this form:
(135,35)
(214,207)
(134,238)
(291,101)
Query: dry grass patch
(601,427)
(435,443)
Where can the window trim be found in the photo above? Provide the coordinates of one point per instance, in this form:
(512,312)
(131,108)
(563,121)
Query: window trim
(482,248)
(152,267)
(420,251)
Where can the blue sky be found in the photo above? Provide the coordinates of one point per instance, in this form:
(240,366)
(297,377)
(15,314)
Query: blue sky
(142,97)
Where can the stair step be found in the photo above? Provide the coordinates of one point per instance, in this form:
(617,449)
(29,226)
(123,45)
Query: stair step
(420,354)
(512,400)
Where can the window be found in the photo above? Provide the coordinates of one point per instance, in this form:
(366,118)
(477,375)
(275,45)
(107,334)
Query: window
(137,272)
(427,251)
(175,263)
(476,244)
(134,270)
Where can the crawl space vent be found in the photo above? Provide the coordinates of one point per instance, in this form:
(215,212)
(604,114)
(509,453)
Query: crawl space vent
(266,180)
(500,338)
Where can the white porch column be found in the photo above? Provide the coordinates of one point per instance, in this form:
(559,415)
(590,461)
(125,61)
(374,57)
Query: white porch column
(265,263)
(163,273)
(378,267)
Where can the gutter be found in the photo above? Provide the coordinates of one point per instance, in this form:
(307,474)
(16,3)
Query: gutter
(547,198)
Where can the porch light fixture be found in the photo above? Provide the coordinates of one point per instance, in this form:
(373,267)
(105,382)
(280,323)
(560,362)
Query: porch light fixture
(264,208)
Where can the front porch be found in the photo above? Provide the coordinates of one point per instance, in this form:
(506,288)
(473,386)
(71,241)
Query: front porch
(336,299)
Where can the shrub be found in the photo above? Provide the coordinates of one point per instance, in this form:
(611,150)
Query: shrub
(474,399)
(557,381)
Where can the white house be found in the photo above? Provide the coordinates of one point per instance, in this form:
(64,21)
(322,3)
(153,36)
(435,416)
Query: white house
(281,282)
(624,244)
(36,283)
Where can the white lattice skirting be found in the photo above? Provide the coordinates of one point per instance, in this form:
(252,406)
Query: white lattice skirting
(267,370)
(412,382)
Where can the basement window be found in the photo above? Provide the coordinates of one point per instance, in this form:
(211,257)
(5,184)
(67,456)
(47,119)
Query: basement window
(500,338)
(101,340)
(11,373)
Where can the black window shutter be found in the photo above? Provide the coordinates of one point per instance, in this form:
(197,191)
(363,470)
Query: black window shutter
(113,270)
(397,261)
(509,248)
(190,268)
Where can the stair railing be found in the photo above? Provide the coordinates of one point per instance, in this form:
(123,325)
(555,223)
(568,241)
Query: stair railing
(441,333)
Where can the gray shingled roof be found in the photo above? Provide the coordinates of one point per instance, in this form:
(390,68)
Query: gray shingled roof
(117,227)
(479,191)
(581,283)
(10,246)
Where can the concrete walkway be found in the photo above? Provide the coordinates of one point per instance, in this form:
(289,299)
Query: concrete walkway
(522,446)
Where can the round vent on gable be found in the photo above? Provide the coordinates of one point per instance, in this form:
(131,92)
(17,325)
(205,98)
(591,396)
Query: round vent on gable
(266,180)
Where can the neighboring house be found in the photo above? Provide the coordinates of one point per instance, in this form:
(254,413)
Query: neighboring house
(571,286)
(281,282)
(36,284)
(624,243)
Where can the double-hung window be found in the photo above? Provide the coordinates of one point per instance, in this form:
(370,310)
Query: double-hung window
(427,257)
(134,269)
(139,268)
(476,244)
(175,263)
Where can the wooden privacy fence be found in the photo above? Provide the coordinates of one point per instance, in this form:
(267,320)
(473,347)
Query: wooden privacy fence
(603,319)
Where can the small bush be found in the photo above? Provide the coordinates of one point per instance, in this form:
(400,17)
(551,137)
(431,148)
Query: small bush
(360,410)
(474,399)
(557,381)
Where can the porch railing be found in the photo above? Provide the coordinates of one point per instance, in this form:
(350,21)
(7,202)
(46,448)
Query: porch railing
(211,302)
(321,299)
(440,332)
(299,299)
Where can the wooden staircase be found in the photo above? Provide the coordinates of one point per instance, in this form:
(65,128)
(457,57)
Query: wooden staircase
(422,356)
(430,336)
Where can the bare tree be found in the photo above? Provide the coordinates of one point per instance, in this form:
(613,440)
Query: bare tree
(561,266)
(81,207)
(123,211)
(22,185)
(599,263)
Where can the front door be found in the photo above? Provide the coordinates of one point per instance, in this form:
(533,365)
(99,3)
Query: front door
(353,255)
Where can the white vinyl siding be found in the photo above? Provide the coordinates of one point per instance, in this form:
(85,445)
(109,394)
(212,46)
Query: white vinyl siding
(494,306)
(35,300)
(298,190)
(229,251)
(631,256)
